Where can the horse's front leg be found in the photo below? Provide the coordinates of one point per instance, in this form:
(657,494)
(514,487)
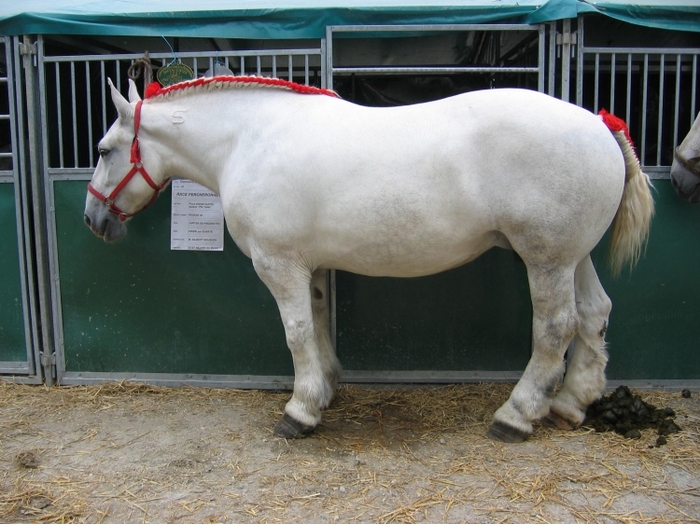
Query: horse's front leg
(291,286)
(554,323)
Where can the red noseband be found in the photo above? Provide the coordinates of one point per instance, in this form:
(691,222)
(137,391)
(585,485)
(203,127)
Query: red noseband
(137,167)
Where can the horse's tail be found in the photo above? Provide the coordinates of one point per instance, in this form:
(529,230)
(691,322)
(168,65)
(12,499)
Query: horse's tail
(630,228)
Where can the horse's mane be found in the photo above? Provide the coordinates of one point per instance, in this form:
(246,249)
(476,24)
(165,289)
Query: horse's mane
(213,83)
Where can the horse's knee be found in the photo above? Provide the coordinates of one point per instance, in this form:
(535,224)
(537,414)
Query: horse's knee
(297,333)
(565,325)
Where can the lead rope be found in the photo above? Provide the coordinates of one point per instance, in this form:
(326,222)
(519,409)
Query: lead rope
(139,67)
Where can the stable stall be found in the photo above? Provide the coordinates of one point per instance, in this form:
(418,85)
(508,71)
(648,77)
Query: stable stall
(142,310)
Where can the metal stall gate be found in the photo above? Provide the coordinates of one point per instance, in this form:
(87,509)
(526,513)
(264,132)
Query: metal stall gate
(470,323)
(138,310)
(18,355)
(653,325)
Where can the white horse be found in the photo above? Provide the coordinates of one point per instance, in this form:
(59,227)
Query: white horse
(685,170)
(310,182)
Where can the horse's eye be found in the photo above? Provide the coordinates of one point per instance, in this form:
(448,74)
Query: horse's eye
(104,152)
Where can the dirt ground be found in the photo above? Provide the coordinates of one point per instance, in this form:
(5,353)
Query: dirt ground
(124,453)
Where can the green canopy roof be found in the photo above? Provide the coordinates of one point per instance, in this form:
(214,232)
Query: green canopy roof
(309,18)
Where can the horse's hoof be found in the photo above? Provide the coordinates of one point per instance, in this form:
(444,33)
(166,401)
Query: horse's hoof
(287,427)
(506,433)
(555,420)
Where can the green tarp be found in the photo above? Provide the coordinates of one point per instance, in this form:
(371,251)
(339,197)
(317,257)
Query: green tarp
(308,18)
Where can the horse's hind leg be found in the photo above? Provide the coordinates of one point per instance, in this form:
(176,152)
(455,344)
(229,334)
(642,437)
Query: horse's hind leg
(554,323)
(319,300)
(314,367)
(584,382)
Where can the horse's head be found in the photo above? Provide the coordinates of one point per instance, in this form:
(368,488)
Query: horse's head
(120,186)
(685,170)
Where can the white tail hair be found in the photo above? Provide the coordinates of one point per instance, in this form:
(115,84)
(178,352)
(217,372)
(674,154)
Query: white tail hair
(630,228)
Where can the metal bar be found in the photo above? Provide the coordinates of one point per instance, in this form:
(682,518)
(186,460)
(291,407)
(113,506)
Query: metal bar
(306,69)
(74,114)
(565,59)
(613,62)
(59,105)
(693,89)
(579,62)
(15,368)
(88,101)
(275,382)
(103,95)
(56,297)
(540,58)
(38,147)
(22,172)
(641,50)
(274,66)
(80,173)
(259,64)
(333,308)
(420,28)
(329,57)
(645,93)
(628,100)
(596,84)
(428,70)
(290,69)
(324,76)
(676,99)
(659,124)
(200,54)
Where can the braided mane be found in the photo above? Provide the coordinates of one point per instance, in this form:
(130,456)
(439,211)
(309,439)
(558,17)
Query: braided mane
(155,90)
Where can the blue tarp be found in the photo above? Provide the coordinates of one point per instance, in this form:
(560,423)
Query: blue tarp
(309,18)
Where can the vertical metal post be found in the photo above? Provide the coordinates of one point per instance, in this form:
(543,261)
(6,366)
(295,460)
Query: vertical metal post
(552,64)
(27,282)
(28,50)
(329,57)
(540,58)
(565,59)
(579,61)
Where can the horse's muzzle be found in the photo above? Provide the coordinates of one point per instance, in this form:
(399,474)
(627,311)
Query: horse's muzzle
(686,184)
(107,226)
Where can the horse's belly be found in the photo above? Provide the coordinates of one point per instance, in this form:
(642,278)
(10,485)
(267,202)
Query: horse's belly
(400,257)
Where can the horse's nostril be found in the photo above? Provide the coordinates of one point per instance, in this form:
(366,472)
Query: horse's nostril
(87,220)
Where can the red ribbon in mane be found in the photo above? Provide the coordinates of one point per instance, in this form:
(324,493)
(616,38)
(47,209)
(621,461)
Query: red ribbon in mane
(155,89)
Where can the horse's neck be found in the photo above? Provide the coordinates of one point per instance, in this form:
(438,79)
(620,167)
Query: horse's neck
(196,133)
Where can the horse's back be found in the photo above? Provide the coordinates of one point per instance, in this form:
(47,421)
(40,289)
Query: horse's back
(418,189)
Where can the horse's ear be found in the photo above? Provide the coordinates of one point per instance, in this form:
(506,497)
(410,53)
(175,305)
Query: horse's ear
(133,92)
(123,107)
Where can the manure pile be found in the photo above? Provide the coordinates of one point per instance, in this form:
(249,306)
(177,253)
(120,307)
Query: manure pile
(627,414)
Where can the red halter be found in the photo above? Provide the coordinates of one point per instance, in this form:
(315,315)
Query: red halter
(136,168)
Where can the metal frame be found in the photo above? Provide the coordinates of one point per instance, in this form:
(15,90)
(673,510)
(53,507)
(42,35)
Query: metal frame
(643,60)
(332,70)
(547,76)
(19,371)
(298,65)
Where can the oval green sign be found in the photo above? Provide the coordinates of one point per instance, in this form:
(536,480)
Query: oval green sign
(174,73)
